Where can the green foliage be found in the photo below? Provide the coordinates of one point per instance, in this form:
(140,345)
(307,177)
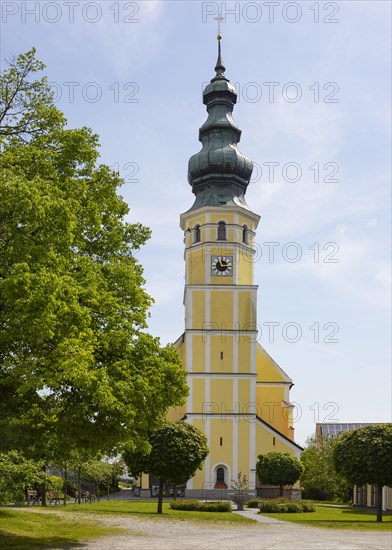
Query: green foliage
(16,475)
(197,506)
(278,469)
(254,502)
(27,529)
(178,450)
(365,456)
(54,483)
(284,506)
(319,479)
(73,306)
(340,517)
(26,105)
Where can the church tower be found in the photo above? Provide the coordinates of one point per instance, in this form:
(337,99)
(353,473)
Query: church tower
(238,395)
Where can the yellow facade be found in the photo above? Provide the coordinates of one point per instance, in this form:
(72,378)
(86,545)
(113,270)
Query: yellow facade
(239,396)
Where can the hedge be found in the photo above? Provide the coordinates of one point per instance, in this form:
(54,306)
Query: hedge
(197,506)
(287,507)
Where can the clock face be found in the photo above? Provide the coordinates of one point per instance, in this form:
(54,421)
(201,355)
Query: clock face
(222,266)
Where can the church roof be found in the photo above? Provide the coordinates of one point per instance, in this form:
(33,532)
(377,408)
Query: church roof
(219,174)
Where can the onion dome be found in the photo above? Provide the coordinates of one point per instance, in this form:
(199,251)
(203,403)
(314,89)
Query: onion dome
(219,174)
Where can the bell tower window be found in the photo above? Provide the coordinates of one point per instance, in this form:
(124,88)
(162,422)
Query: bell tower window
(245,234)
(196,234)
(221,231)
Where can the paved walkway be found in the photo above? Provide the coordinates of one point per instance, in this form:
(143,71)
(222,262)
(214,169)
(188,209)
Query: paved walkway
(266,534)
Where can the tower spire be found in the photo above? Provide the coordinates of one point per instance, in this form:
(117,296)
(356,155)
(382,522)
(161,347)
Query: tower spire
(220,68)
(219,174)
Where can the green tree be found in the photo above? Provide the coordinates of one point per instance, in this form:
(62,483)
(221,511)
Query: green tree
(365,456)
(178,450)
(77,370)
(319,479)
(103,473)
(17,474)
(278,469)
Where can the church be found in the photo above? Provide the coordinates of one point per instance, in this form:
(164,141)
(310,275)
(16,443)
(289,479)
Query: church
(238,395)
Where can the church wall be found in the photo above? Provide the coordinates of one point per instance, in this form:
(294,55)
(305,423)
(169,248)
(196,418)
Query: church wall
(267,371)
(198,355)
(244,444)
(221,345)
(244,354)
(198,392)
(270,408)
(198,309)
(246,313)
(221,314)
(221,443)
(245,269)
(221,391)
(267,442)
(196,267)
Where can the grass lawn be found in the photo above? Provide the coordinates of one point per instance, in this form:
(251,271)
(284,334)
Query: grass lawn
(66,526)
(148,508)
(339,518)
(24,529)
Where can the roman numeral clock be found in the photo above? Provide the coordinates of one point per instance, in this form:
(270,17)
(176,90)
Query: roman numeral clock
(222,266)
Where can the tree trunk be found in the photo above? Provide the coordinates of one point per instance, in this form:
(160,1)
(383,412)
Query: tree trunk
(174,491)
(43,486)
(280,490)
(379,502)
(108,489)
(160,496)
(79,485)
(65,484)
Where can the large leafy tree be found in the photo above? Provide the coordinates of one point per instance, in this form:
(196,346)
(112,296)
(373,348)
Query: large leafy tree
(319,479)
(365,456)
(77,370)
(177,451)
(278,469)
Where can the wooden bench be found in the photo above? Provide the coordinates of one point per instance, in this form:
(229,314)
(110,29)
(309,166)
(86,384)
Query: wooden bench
(85,496)
(54,497)
(32,497)
(89,497)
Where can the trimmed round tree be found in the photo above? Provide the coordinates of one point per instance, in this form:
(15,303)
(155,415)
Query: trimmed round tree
(364,456)
(178,450)
(278,469)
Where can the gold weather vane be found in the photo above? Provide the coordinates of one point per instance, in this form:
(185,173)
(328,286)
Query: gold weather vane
(219,20)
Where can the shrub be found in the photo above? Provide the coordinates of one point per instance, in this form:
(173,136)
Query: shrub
(253,503)
(307,506)
(270,507)
(280,506)
(190,505)
(292,508)
(197,506)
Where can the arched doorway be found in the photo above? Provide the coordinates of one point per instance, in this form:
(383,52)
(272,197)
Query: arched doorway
(220,477)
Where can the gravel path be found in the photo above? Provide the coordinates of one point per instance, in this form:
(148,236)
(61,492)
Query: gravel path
(266,534)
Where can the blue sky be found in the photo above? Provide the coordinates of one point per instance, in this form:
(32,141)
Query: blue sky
(134,72)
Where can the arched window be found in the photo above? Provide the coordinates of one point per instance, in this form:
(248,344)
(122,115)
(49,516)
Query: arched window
(196,234)
(221,231)
(245,234)
(220,475)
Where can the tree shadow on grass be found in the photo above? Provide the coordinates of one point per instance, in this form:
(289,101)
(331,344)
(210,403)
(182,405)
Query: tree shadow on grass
(16,542)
